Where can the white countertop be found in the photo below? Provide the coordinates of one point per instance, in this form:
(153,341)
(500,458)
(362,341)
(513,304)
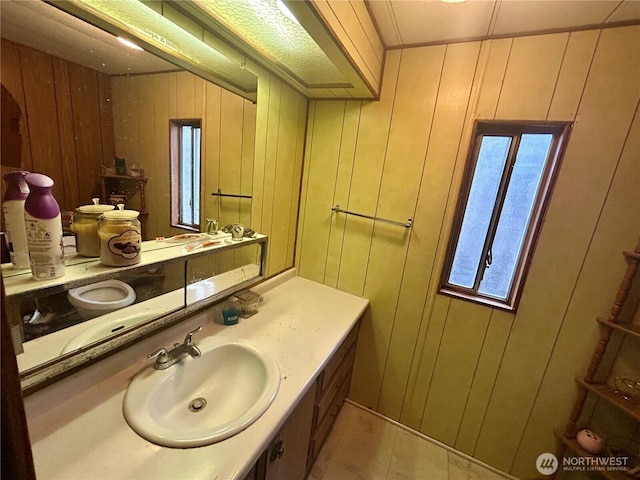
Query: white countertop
(77,428)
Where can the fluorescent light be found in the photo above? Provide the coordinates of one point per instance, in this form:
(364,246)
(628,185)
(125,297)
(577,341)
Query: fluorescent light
(287,13)
(128,43)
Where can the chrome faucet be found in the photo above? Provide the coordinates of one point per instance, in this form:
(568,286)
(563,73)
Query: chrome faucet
(165,358)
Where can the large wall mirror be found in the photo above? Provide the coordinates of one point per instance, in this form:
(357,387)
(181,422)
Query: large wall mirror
(86,100)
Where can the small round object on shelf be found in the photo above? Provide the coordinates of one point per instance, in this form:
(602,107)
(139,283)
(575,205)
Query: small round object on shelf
(590,441)
(628,389)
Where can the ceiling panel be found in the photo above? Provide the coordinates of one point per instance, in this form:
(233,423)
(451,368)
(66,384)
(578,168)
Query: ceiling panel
(531,15)
(419,22)
(627,12)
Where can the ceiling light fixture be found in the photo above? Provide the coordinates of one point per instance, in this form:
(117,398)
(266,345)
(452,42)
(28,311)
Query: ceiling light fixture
(287,13)
(453,1)
(129,43)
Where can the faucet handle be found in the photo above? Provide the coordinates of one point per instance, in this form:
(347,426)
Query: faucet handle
(161,355)
(188,340)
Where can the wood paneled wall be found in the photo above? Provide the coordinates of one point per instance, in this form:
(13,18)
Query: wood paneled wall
(66,120)
(490,383)
(352,26)
(247,148)
(143,106)
(280,135)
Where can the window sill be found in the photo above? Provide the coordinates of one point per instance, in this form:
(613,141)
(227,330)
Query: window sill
(489,302)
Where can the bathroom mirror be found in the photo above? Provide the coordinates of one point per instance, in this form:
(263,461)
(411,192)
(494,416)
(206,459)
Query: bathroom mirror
(137,95)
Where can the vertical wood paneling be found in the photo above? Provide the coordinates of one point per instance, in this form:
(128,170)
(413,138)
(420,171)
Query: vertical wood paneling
(497,56)
(368,162)
(158,189)
(39,91)
(280,132)
(356,34)
(491,383)
(603,265)
(66,131)
(483,380)
(211,160)
(563,242)
(143,108)
(289,155)
(106,119)
(296,181)
(248,152)
(531,77)
(403,165)
(444,137)
(348,139)
(88,129)
(66,120)
(460,347)
(424,359)
(375,120)
(11,68)
(573,73)
(322,164)
(230,181)
(271,159)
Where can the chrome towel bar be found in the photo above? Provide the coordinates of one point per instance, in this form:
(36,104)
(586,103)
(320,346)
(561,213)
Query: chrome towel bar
(220,194)
(406,224)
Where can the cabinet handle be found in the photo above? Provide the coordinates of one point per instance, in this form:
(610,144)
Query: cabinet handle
(276,451)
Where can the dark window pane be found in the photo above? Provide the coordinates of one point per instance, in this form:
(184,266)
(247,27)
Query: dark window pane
(482,197)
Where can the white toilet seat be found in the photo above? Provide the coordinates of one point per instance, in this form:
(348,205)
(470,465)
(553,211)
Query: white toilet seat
(102,297)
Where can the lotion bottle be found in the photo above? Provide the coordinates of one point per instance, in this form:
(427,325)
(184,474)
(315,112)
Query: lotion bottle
(13,210)
(44,228)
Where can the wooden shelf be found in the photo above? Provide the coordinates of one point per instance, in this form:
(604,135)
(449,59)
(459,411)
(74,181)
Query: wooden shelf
(632,255)
(607,393)
(123,177)
(627,328)
(573,445)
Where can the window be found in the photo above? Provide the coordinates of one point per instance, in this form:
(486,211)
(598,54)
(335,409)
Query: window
(185,174)
(506,186)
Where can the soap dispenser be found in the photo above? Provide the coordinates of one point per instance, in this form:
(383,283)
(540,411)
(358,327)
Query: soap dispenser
(231,311)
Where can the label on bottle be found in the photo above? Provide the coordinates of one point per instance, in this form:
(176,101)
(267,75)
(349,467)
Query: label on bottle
(46,249)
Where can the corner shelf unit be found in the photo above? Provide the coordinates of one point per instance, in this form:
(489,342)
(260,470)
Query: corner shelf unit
(588,385)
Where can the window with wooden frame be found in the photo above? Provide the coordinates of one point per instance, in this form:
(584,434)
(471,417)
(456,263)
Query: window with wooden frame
(505,190)
(185,138)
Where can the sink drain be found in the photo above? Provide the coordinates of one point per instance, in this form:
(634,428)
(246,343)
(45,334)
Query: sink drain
(197,405)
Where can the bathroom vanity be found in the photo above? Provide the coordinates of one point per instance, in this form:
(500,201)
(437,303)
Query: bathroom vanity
(308,328)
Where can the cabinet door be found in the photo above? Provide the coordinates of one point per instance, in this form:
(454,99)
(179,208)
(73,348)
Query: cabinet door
(286,457)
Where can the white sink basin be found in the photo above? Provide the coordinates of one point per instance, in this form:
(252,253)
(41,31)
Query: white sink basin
(200,401)
(102,328)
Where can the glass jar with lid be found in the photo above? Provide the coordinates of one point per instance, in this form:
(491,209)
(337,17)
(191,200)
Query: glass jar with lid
(85,226)
(120,237)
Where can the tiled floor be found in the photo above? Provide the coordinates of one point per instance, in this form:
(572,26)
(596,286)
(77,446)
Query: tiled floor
(364,446)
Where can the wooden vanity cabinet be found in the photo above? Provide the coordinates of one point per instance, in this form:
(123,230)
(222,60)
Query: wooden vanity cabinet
(332,388)
(293,450)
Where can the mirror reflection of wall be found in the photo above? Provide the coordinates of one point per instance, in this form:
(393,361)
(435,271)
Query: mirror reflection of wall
(144,107)
(87,100)
(78,119)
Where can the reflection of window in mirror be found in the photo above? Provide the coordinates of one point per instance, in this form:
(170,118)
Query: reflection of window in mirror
(185,174)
